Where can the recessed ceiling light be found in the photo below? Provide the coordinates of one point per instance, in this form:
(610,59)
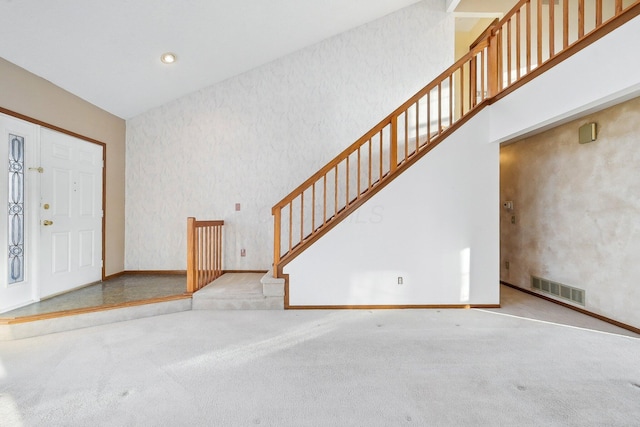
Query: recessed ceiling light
(168,58)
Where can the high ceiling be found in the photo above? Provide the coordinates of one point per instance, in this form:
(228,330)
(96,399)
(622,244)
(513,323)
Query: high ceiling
(108,52)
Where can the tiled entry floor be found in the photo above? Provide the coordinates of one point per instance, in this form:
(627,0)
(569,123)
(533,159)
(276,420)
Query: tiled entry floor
(123,289)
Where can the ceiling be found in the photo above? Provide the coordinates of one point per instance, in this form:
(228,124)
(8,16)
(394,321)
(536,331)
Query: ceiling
(108,52)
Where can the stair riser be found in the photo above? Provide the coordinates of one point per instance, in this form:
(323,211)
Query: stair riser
(268,303)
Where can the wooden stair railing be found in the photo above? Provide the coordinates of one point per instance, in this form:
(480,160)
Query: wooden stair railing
(531,38)
(204,253)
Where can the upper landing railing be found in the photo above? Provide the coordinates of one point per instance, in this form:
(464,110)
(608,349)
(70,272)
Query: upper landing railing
(534,36)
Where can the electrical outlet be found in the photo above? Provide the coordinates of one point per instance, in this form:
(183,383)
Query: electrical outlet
(237,206)
(513,219)
(400,280)
(506,265)
(243,252)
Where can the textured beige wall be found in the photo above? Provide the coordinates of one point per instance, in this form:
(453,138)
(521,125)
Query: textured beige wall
(28,94)
(577,210)
(255,137)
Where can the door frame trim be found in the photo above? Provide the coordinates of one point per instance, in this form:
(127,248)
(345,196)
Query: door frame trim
(104,167)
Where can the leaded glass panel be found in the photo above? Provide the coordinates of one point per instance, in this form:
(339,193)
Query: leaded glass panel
(16,209)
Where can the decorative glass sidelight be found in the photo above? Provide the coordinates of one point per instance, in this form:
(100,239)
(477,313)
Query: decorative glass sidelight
(15,236)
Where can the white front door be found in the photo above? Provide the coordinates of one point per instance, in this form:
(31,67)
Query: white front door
(70,213)
(19,178)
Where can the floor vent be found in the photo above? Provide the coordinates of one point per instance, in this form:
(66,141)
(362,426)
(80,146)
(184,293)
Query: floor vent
(558,289)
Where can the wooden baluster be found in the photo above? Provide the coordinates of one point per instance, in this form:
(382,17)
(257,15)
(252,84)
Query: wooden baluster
(598,13)
(439,108)
(346,204)
(214,252)
(508,53)
(493,58)
(218,259)
(497,72)
(580,19)
(206,252)
(406,134)
(461,95)
(197,267)
(220,252)
(218,243)
(313,208)
(324,211)
(205,255)
(528,36)
(210,254)
(417,126)
(200,259)
(428,117)
(450,100)
(335,192)
(191,254)
(381,161)
(290,226)
(518,43)
(359,174)
(618,7)
(473,83)
(565,24)
(552,26)
(218,246)
(393,149)
(370,163)
(482,75)
(539,34)
(301,216)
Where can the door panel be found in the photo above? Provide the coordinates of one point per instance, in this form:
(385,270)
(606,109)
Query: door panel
(87,248)
(61,252)
(61,197)
(71,213)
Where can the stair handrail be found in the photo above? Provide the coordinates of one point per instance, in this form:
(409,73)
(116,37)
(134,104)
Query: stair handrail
(204,252)
(491,69)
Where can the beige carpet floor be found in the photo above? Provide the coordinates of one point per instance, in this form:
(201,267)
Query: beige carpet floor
(327,368)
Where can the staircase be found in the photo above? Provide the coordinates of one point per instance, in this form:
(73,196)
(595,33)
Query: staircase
(531,39)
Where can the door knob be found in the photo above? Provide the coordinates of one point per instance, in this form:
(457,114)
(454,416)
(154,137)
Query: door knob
(46,222)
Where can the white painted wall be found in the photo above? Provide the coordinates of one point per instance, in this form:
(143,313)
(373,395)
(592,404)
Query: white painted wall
(254,138)
(436,226)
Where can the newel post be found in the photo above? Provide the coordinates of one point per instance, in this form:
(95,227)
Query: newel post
(191,254)
(276,239)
